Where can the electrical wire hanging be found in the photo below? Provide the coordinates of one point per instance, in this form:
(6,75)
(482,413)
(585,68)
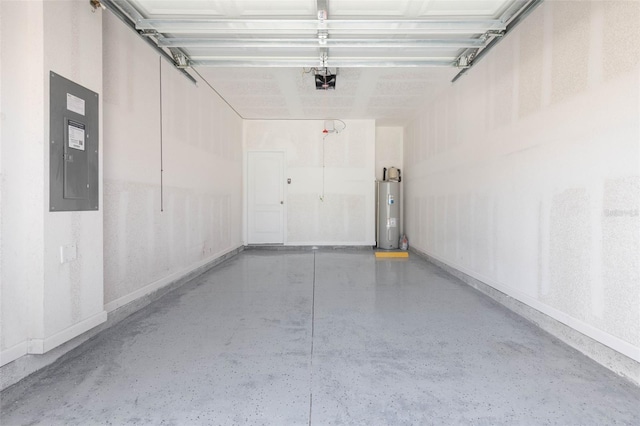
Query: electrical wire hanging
(161,137)
(326,133)
(323,166)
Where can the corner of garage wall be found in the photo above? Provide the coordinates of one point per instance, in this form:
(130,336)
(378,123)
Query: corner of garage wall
(45,301)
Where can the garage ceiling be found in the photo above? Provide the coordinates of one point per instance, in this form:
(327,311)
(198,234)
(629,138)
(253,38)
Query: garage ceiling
(390,56)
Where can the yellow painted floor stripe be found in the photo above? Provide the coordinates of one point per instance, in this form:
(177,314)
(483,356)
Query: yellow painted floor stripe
(391,254)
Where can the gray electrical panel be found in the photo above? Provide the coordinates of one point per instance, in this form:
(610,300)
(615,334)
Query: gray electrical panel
(73,158)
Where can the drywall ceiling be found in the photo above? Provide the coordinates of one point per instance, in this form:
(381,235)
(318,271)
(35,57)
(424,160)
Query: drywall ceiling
(391,56)
(389,95)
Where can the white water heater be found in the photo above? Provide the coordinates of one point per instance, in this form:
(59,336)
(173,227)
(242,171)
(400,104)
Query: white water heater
(388,228)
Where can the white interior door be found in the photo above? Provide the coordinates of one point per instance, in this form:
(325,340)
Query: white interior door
(265,188)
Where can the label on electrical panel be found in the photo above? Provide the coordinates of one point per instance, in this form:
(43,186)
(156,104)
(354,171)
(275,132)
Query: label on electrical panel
(76,133)
(75,104)
(391,222)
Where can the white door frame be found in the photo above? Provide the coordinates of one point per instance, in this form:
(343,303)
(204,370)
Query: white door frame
(245,187)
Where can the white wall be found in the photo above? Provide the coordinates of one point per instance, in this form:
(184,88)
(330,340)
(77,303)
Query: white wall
(22,192)
(525,174)
(389,146)
(389,153)
(44,303)
(146,248)
(346,214)
(73,297)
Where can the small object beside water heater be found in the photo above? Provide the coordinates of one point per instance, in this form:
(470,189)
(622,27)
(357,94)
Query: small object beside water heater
(404,242)
(388,232)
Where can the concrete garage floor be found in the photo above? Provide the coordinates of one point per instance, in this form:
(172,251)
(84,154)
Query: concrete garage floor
(326,337)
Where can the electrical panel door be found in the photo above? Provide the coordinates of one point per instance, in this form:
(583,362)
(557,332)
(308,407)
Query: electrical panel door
(73,146)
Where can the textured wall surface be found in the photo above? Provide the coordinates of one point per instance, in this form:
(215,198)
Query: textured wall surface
(21,235)
(526,173)
(388,149)
(154,236)
(72,291)
(346,213)
(44,302)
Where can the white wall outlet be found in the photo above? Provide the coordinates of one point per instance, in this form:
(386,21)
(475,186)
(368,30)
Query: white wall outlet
(68,253)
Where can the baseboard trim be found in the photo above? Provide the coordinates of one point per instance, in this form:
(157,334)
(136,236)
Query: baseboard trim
(616,361)
(176,276)
(24,364)
(155,292)
(40,346)
(306,247)
(13,353)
